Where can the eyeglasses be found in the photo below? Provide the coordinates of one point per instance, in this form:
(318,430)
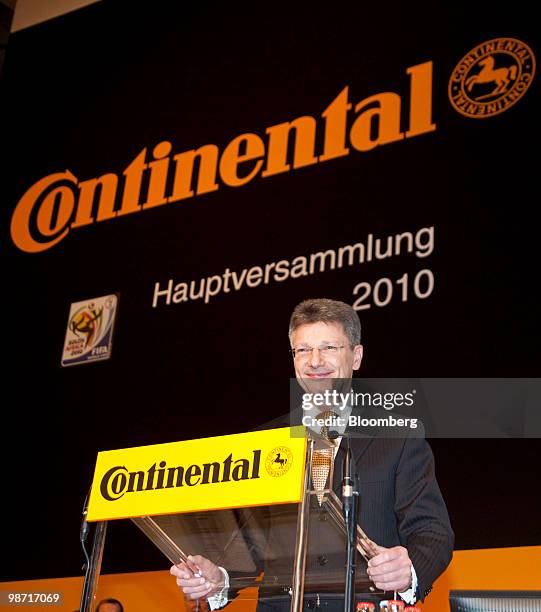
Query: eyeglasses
(326,350)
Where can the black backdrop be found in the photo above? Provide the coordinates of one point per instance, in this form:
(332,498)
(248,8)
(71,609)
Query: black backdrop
(89,90)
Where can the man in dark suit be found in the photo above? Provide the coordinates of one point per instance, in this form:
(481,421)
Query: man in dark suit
(402,510)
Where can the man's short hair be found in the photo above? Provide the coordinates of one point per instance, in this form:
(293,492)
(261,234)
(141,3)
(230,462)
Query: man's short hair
(323,310)
(110,600)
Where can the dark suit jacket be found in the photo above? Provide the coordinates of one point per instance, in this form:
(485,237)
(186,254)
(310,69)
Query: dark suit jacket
(400,500)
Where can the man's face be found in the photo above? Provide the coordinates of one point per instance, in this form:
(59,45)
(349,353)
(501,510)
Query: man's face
(109,607)
(318,365)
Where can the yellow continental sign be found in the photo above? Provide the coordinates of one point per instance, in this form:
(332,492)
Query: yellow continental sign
(206,474)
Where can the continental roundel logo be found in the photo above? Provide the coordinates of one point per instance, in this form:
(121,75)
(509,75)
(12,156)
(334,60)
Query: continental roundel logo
(279,461)
(491,77)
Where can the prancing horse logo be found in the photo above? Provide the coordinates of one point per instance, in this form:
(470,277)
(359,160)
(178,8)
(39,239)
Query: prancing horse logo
(501,76)
(491,77)
(279,461)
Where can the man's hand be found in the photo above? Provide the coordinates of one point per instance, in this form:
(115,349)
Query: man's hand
(390,568)
(198,578)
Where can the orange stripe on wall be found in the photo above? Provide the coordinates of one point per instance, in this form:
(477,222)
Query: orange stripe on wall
(491,568)
(495,568)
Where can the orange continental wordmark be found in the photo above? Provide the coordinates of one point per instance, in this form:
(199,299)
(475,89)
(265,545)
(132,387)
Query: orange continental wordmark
(60,202)
(491,77)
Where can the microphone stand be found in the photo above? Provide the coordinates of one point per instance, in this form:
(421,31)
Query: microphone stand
(93,563)
(350,508)
(83,536)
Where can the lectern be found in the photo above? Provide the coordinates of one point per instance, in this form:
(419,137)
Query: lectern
(245,501)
